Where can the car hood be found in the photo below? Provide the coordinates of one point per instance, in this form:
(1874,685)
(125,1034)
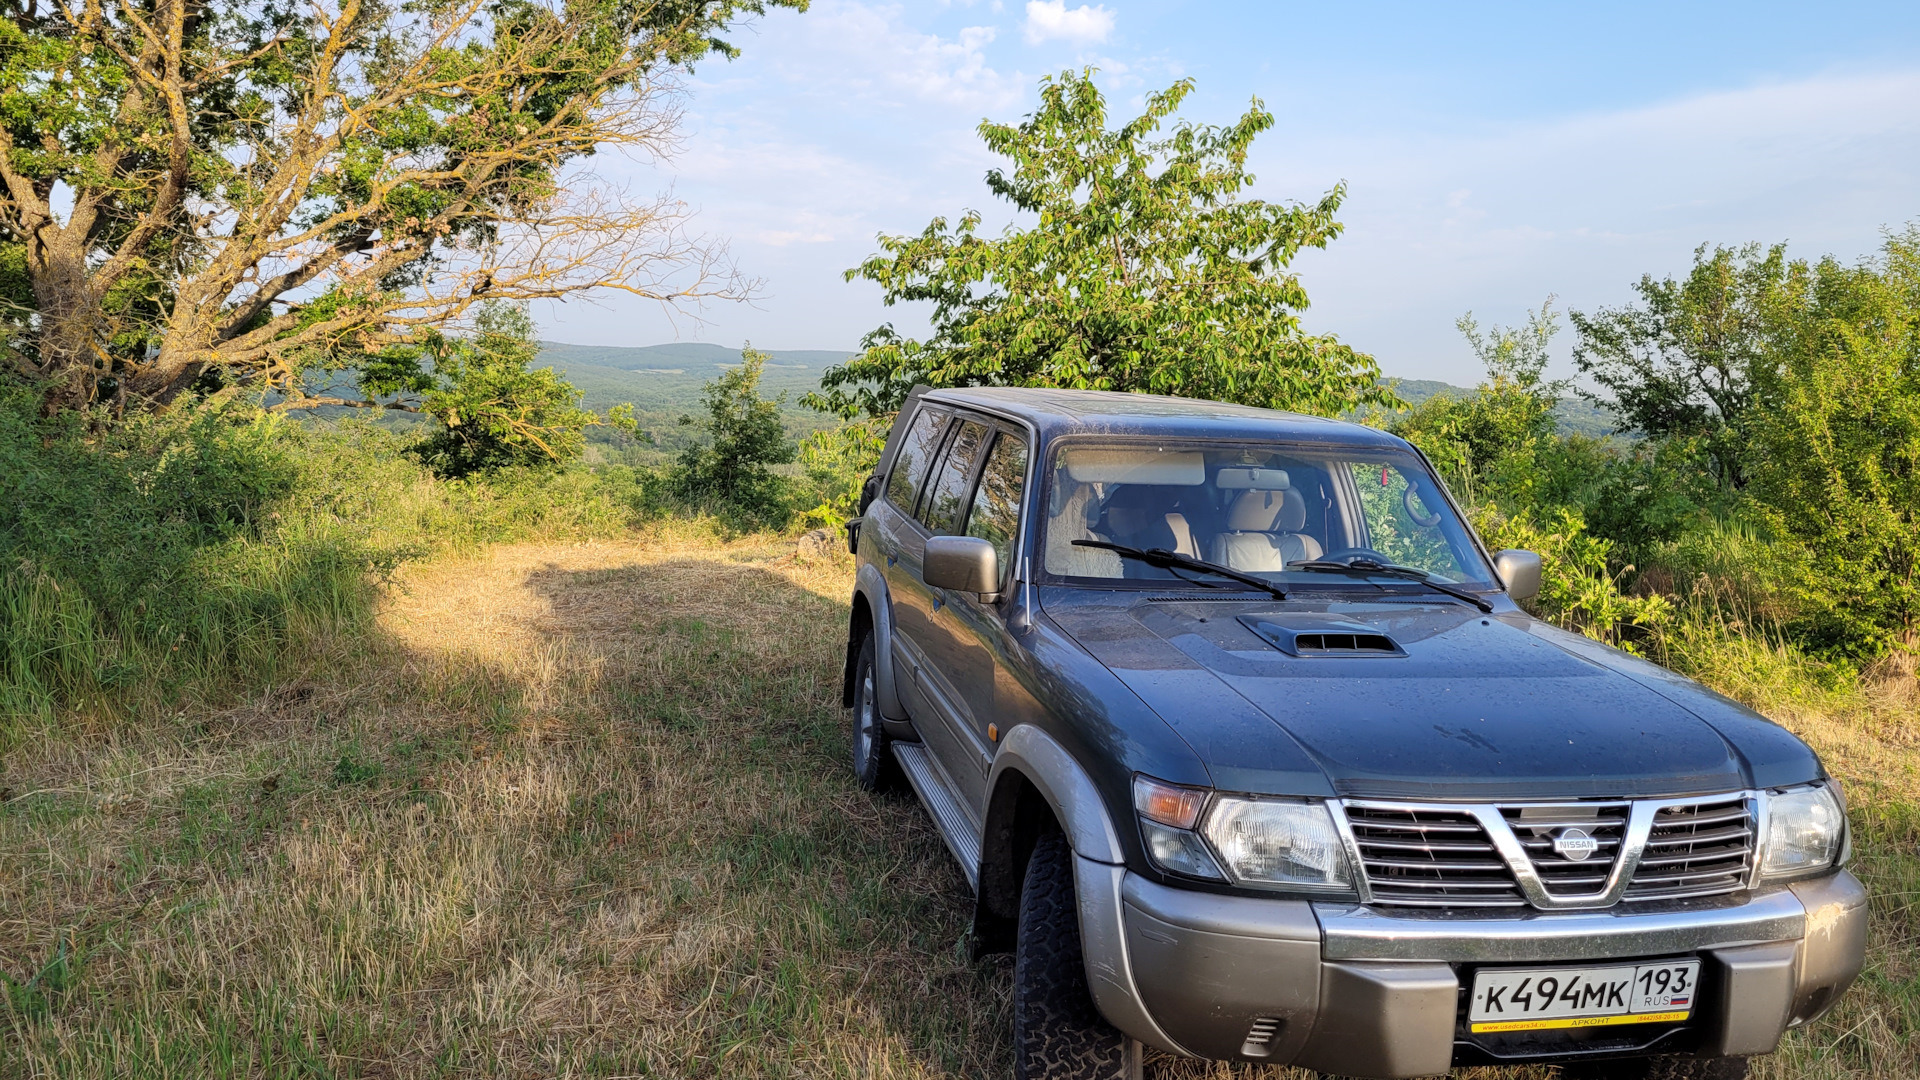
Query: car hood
(1465,706)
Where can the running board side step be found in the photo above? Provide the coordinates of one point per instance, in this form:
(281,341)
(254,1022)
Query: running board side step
(948,815)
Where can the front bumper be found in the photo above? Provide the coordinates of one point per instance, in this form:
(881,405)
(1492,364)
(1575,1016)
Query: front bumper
(1345,989)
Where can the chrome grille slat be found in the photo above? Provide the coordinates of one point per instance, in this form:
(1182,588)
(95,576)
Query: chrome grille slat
(1734,813)
(1410,864)
(1431,845)
(1682,877)
(1740,832)
(1687,860)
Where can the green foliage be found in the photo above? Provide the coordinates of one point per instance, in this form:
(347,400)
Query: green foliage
(836,462)
(154,550)
(252,183)
(1835,451)
(1147,270)
(1580,580)
(728,470)
(203,550)
(496,412)
(1682,364)
(1775,493)
(1509,417)
(1527,486)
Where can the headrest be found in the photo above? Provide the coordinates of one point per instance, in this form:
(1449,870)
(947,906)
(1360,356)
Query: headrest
(1153,497)
(1268,511)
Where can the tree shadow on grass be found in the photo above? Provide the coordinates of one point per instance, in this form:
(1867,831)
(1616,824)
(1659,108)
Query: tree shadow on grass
(829,921)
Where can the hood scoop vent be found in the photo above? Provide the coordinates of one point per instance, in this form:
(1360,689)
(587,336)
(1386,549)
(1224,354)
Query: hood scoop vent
(1333,643)
(1331,638)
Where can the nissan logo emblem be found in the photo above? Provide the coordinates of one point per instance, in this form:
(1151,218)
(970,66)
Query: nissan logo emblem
(1575,845)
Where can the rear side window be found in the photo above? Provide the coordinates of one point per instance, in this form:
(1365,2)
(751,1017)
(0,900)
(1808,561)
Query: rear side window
(910,462)
(995,516)
(947,498)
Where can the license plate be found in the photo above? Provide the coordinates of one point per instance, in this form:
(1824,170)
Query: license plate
(1507,999)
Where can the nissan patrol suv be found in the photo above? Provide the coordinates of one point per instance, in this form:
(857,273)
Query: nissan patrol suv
(1249,753)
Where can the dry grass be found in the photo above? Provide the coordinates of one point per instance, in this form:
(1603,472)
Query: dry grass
(582,810)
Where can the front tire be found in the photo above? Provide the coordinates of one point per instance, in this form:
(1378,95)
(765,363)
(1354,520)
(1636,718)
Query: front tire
(1057,1032)
(1665,1067)
(873,764)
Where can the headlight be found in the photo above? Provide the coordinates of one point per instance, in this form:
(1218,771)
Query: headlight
(1278,843)
(1805,830)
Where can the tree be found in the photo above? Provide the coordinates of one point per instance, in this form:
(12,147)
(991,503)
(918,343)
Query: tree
(1681,363)
(729,470)
(1146,270)
(494,410)
(257,189)
(1508,416)
(1835,450)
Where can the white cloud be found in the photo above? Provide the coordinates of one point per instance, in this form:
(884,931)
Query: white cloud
(869,50)
(1048,20)
(1582,206)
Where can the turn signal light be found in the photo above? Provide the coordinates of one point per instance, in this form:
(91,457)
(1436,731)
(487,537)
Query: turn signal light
(1178,807)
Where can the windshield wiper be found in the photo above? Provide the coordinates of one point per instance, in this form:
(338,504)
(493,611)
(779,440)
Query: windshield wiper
(1168,560)
(1363,567)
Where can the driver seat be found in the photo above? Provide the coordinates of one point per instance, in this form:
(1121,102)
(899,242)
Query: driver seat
(1264,532)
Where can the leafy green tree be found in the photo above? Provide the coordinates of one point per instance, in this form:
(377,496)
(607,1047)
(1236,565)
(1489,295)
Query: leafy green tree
(1147,269)
(729,470)
(1495,434)
(205,192)
(1834,455)
(837,462)
(495,411)
(1680,364)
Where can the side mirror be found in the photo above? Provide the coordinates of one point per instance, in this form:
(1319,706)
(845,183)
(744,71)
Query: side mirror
(1520,570)
(962,564)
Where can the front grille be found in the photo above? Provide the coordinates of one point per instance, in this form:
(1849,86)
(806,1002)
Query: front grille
(1696,849)
(1537,827)
(1430,858)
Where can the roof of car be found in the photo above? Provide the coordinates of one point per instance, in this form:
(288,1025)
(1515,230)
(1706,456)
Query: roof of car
(1060,412)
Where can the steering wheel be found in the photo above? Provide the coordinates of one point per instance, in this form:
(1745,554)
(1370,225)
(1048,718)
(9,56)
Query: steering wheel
(1348,555)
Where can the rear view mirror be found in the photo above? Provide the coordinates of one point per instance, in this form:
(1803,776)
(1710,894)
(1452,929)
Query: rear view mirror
(1251,479)
(1520,571)
(962,564)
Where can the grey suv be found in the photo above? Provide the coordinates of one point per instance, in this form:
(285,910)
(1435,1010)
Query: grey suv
(1248,753)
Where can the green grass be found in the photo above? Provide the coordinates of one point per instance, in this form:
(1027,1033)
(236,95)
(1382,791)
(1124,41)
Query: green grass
(182,559)
(312,765)
(581,808)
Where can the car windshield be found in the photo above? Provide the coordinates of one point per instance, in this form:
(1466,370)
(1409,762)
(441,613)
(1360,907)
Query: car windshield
(1258,509)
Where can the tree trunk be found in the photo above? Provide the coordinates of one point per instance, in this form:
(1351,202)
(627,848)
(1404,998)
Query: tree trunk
(71,358)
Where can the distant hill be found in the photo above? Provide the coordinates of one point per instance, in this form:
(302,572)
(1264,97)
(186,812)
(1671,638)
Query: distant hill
(663,382)
(686,357)
(1578,416)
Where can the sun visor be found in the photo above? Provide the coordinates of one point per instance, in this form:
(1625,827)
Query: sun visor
(1186,468)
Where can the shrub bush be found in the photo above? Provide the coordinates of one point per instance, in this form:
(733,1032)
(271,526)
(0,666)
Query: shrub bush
(153,550)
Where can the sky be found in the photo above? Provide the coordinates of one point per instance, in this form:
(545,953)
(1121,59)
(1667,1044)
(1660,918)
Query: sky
(1495,155)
